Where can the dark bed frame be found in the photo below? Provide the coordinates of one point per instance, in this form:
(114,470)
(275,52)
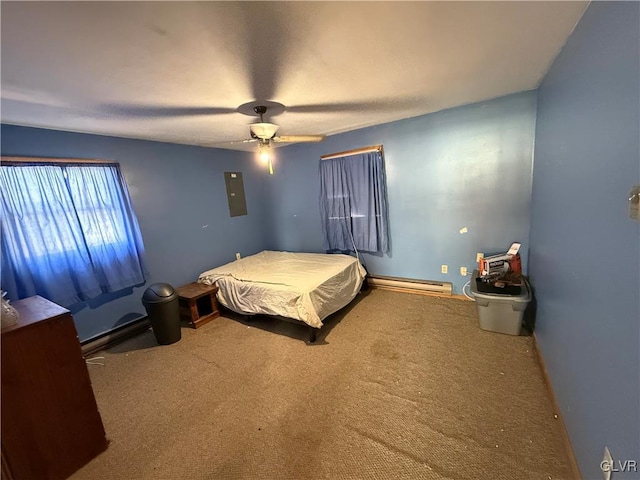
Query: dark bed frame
(313,331)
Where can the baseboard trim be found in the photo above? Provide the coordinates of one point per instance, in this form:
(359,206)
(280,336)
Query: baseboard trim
(426,293)
(105,340)
(573,464)
(411,291)
(410,285)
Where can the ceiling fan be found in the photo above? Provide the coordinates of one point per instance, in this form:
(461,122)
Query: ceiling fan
(261,132)
(265,133)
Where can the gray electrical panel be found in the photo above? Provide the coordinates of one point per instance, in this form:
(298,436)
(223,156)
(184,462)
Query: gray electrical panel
(235,193)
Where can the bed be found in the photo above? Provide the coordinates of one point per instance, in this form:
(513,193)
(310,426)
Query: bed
(301,287)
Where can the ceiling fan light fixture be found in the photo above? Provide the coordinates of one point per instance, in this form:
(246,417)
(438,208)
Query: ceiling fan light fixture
(264,152)
(264,130)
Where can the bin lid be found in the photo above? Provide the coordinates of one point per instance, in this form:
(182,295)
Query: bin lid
(158,292)
(524,296)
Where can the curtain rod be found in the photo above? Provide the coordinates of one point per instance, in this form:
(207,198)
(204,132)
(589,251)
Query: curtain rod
(348,153)
(13,161)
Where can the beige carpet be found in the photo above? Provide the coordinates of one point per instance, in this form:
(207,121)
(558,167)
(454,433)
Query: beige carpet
(398,386)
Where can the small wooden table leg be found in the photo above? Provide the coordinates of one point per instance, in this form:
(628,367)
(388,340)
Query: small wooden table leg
(193,307)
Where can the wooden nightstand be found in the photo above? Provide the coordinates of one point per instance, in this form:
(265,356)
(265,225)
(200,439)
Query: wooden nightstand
(198,304)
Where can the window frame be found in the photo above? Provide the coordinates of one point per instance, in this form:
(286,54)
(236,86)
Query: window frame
(118,263)
(354,215)
(58,162)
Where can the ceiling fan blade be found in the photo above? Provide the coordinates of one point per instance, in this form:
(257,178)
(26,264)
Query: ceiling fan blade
(235,142)
(365,106)
(328,107)
(162,111)
(298,138)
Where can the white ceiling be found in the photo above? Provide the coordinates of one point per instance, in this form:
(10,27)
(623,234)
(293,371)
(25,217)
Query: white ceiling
(169,71)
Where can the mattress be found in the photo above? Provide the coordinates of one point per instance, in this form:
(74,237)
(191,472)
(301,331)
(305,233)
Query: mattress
(303,286)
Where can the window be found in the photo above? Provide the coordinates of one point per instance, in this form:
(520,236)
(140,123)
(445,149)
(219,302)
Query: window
(353,201)
(69,232)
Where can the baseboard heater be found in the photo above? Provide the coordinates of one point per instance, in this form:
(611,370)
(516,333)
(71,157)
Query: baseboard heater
(410,284)
(118,334)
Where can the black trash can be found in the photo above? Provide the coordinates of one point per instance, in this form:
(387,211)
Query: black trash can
(161,302)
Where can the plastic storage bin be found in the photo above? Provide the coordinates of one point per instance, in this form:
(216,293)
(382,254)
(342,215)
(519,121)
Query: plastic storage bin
(501,313)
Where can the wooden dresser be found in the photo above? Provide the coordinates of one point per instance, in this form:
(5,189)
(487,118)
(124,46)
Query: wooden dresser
(50,421)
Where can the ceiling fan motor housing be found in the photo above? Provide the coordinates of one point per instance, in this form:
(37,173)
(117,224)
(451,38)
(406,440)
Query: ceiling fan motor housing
(263,130)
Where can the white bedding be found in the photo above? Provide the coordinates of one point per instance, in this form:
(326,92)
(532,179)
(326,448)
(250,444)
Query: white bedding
(304,286)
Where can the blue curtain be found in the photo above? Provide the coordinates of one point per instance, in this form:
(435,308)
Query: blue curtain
(68,233)
(353,203)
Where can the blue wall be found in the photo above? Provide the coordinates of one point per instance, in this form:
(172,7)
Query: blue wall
(465,167)
(584,250)
(179,196)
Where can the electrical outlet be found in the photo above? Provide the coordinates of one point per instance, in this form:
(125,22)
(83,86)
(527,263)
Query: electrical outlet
(479,255)
(444,269)
(238,256)
(463,271)
(607,464)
